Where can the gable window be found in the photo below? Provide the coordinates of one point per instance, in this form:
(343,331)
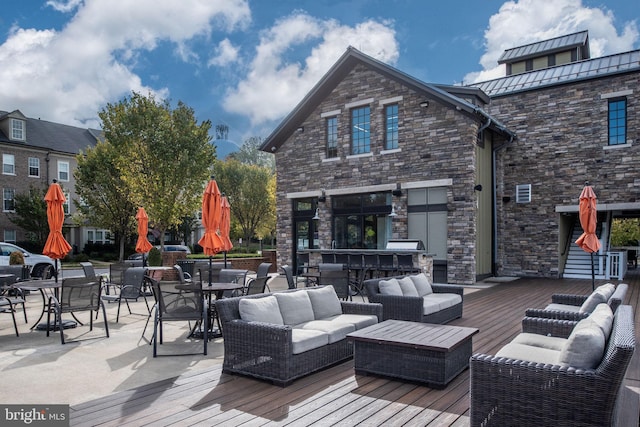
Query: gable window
(8,164)
(391,122)
(8,203)
(617,121)
(34,167)
(63,171)
(360,130)
(332,136)
(17,129)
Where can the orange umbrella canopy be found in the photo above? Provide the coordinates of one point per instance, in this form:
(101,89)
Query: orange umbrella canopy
(211,242)
(56,246)
(225,226)
(143,245)
(588,241)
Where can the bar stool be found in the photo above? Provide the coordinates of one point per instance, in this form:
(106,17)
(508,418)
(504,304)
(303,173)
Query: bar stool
(328,258)
(372,264)
(386,265)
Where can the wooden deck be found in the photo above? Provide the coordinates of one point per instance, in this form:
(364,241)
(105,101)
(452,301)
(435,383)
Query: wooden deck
(336,396)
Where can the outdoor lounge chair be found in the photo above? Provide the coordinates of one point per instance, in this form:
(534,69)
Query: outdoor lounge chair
(132,289)
(511,392)
(77,294)
(8,302)
(256,286)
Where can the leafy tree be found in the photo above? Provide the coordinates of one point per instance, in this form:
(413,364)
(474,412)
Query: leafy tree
(165,156)
(31,213)
(250,154)
(251,193)
(105,199)
(625,231)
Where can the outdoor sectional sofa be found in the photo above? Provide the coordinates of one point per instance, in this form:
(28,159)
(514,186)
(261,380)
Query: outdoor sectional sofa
(426,302)
(285,335)
(555,373)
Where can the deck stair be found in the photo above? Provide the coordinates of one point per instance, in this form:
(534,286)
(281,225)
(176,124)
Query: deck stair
(578,265)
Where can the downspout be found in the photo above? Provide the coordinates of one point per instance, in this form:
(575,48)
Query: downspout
(46,159)
(494,150)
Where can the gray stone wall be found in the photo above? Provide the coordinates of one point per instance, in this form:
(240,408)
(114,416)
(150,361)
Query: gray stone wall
(562,142)
(435,143)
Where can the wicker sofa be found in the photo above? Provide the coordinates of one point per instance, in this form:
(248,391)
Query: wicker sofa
(282,336)
(576,307)
(535,391)
(441,304)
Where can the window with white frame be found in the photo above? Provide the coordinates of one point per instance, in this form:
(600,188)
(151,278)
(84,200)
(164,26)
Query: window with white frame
(391,125)
(523,193)
(17,130)
(10,236)
(63,171)
(8,164)
(98,236)
(8,199)
(34,167)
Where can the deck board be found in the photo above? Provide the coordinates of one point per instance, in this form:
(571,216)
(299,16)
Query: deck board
(335,396)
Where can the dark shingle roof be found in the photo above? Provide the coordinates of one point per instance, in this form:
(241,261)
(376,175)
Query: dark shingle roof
(55,136)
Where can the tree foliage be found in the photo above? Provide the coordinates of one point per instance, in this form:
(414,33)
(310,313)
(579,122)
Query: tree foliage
(31,213)
(250,154)
(625,232)
(165,156)
(105,198)
(251,193)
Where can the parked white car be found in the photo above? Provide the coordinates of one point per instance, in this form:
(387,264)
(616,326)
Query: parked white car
(37,262)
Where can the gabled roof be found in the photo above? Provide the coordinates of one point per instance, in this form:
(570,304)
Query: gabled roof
(341,69)
(545,47)
(50,136)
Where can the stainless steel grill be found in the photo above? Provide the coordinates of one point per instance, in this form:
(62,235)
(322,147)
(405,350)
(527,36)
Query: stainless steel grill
(405,244)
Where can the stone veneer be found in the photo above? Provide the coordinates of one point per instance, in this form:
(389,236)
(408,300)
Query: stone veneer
(435,143)
(561,143)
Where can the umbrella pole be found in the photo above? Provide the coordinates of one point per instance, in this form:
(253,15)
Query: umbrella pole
(210,267)
(55,273)
(593,274)
(225,259)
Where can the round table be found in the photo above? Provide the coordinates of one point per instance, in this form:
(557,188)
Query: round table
(47,288)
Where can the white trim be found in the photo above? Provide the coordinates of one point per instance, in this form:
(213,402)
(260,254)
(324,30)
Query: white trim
(304,194)
(601,207)
(393,100)
(330,159)
(613,147)
(359,190)
(330,113)
(358,103)
(616,94)
(393,150)
(371,188)
(446,182)
(357,156)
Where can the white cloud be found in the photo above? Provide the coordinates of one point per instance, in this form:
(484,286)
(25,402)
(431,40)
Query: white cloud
(275,83)
(527,21)
(67,76)
(225,54)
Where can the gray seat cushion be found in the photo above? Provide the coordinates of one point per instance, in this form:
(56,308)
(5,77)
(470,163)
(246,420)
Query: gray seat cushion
(542,341)
(295,307)
(337,331)
(422,284)
(407,287)
(390,287)
(325,302)
(584,347)
(307,339)
(529,353)
(439,301)
(358,320)
(260,310)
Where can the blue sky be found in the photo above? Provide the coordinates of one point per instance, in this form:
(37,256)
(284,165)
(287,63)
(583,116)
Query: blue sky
(247,63)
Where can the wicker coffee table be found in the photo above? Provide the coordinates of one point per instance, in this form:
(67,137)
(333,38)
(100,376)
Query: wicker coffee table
(424,352)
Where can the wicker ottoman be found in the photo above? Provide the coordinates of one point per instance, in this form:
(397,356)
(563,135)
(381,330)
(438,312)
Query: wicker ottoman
(423,352)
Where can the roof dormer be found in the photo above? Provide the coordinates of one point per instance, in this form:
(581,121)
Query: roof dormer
(14,126)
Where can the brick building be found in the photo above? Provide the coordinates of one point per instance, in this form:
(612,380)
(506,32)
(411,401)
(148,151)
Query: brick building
(488,175)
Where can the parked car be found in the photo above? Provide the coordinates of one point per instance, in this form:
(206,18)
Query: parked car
(37,262)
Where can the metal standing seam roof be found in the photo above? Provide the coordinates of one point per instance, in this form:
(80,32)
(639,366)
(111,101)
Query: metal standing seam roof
(587,69)
(546,46)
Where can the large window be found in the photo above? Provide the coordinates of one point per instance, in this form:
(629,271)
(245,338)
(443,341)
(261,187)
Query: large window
(332,137)
(63,171)
(17,129)
(361,221)
(360,130)
(34,167)
(10,236)
(8,164)
(391,122)
(8,203)
(617,121)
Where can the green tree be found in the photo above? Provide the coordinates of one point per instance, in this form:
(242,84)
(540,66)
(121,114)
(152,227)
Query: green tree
(31,213)
(165,158)
(624,231)
(105,199)
(251,193)
(250,154)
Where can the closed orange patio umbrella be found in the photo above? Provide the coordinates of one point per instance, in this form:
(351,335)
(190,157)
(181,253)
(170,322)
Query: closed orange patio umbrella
(142,245)
(588,241)
(211,241)
(56,246)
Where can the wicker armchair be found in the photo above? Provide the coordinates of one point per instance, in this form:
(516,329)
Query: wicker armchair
(573,302)
(508,392)
(411,308)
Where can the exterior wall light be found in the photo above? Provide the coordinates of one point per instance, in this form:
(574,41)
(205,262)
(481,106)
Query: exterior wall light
(317,215)
(424,104)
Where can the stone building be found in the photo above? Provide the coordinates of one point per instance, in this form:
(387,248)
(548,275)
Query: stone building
(488,175)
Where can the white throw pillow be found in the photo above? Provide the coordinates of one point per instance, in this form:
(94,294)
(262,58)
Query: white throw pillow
(603,317)
(422,284)
(325,302)
(607,290)
(295,307)
(407,287)
(390,287)
(596,297)
(584,347)
(260,310)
